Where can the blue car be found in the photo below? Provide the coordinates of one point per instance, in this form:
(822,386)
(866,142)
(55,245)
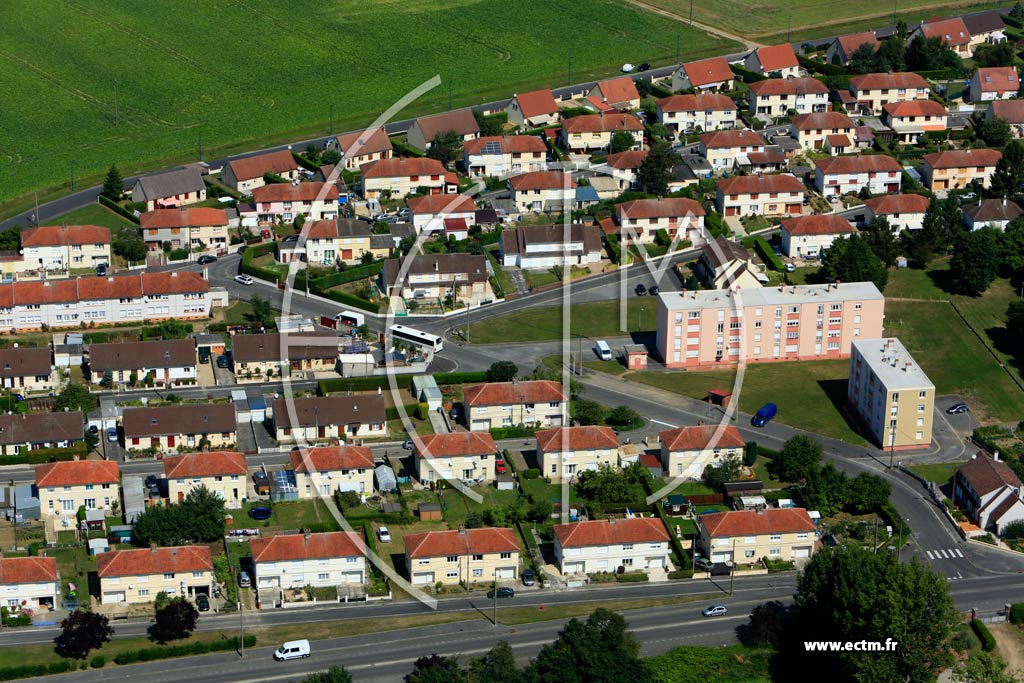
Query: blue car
(112,434)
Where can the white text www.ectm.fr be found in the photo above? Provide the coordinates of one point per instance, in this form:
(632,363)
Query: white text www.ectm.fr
(850,645)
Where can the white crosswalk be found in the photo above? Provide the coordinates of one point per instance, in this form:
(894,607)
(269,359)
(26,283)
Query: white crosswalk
(944,554)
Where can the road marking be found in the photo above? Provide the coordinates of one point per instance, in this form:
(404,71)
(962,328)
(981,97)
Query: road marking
(671,426)
(930,556)
(958,553)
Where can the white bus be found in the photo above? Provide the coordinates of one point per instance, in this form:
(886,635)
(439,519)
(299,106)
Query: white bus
(431,341)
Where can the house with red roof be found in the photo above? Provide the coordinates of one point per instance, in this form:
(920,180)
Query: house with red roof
(166,189)
(903,211)
(285,201)
(501,156)
(955,169)
(593,132)
(564,452)
(246,174)
(198,229)
(687,113)
(335,559)
(533,109)
(639,220)
(464,555)
(773,60)
(362,147)
(989,492)
(136,577)
(546,246)
(64,247)
(540,191)
(724,148)
(768,195)
(423,130)
(707,74)
(851,174)
(776,97)
(809,236)
(461,277)
(321,471)
(746,536)
(688,451)
(1011,111)
(623,168)
(63,487)
(952,32)
(429,211)
(618,93)
(468,457)
(29,583)
(533,403)
(634,544)
(810,130)
(223,473)
(994,83)
(401,176)
(844,47)
(869,93)
(911,120)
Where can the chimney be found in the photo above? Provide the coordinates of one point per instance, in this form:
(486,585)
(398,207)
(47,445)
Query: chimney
(174,273)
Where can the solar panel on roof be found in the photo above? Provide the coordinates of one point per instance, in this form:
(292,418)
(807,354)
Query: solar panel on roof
(492,147)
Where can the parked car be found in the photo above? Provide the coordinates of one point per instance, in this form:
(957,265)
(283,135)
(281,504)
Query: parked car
(654,290)
(243,579)
(223,362)
(968,196)
(112,434)
(101,270)
(640,289)
(500,467)
(202,603)
(204,355)
(643,67)
(206,258)
(407,445)
(151,480)
(703,564)
(244,279)
(266,234)
(241,249)
(503,592)
(292,650)
(528,577)
(957,409)
(384,535)
(628,68)
(404,213)
(715,611)
(790,268)
(291,238)
(764,415)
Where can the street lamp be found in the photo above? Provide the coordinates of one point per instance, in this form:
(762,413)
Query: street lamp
(71,164)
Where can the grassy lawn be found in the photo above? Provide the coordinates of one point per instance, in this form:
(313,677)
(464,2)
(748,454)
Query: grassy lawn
(289,516)
(694,488)
(940,472)
(593,320)
(545,491)
(539,278)
(177,89)
(95,214)
(808,394)
(459,506)
(611,367)
(913,283)
(74,565)
(500,276)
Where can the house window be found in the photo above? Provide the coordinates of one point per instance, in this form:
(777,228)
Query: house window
(627,546)
(775,537)
(143,592)
(168,577)
(774,552)
(323,577)
(506,556)
(628,562)
(478,572)
(422,562)
(452,574)
(920,408)
(748,554)
(452,558)
(478,558)
(197,575)
(922,394)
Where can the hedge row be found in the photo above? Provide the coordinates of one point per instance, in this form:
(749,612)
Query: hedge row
(393,414)
(941,74)
(305,162)
(350,300)
(1017,613)
(988,641)
(499,433)
(632,577)
(341,277)
(611,242)
(118,209)
(150,654)
(764,250)
(256,251)
(341,384)
(747,76)
(681,574)
(815,66)
(32,670)
(44,455)
(460,377)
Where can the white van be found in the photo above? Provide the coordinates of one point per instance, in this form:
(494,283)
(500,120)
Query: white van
(293,649)
(603,351)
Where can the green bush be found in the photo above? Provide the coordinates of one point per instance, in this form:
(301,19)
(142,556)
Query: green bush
(681,574)
(32,670)
(253,252)
(460,377)
(19,619)
(820,67)
(611,243)
(343,384)
(747,76)
(178,255)
(769,257)
(98,662)
(305,162)
(632,577)
(1017,613)
(118,209)
(988,641)
(393,414)
(351,274)
(531,473)
(499,433)
(351,300)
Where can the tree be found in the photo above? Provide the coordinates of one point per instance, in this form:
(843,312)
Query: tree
(768,624)
(502,371)
(74,397)
(497,665)
(622,416)
(10,239)
(975,261)
(1017,12)
(931,54)
(622,140)
(892,54)
(728,469)
(850,259)
(852,594)
(174,620)
(995,132)
(799,458)
(599,650)
(336,674)
(862,60)
(200,517)
(611,485)
(942,221)
(172,328)
(436,669)
(82,632)
(983,667)
(587,412)
(866,492)
(1011,247)
(489,125)
(825,490)
(113,185)
(1009,173)
(445,147)
(881,241)
(262,313)
(656,169)
(128,243)
(330,158)
(1015,319)
(994,54)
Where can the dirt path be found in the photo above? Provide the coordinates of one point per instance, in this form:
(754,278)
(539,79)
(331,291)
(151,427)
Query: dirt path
(747,44)
(1010,646)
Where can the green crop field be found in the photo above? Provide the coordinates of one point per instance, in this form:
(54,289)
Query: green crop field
(255,72)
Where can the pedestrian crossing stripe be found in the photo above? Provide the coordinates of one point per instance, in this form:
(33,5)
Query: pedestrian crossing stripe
(944,554)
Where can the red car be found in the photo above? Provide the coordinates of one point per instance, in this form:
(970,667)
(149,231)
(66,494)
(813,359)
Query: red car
(500,467)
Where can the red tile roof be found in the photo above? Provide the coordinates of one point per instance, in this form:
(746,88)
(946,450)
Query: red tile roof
(15,570)
(455,225)
(77,473)
(542,180)
(987,475)
(596,103)
(824,120)
(777,57)
(364,142)
(952,31)
(897,203)
(656,208)
(149,561)
(454,444)
(430,204)
(753,523)
(788,86)
(302,192)
(326,229)
(850,42)
(138,355)
(212,464)
(605,532)
(621,90)
(513,393)
(838,141)
(599,123)
(701,101)
(731,138)
(537,103)
(751,184)
(402,167)
(332,458)
(701,438)
(278,163)
(461,121)
(991,79)
(818,225)
(866,163)
(630,159)
(467,542)
(297,547)
(64,235)
(963,158)
(906,80)
(1011,111)
(708,72)
(184,217)
(576,438)
(507,144)
(915,108)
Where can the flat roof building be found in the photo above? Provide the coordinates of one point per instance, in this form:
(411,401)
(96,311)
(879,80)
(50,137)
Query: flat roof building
(890,394)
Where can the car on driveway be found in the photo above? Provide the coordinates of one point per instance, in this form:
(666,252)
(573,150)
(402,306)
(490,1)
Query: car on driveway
(500,467)
(384,535)
(223,362)
(640,290)
(715,611)
(244,279)
(654,290)
(206,258)
(112,435)
(101,270)
(202,603)
(703,564)
(291,238)
(957,409)
(407,445)
(529,578)
(503,592)
(643,67)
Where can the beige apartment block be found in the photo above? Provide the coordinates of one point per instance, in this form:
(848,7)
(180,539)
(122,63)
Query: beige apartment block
(565,452)
(28,583)
(66,486)
(223,473)
(319,560)
(468,457)
(136,577)
(611,545)
(872,92)
(540,403)
(321,471)
(469,555)
(955,169)
(746,536)
(688,451)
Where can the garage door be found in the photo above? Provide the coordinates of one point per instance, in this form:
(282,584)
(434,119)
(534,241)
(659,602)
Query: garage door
(352,577)
(721,557)
(423,578)
(574,568)
(654,562)
(804,551)
(506,573)
(481,425)
(114,597)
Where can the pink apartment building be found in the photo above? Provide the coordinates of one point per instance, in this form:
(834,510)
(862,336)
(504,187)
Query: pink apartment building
(712,328)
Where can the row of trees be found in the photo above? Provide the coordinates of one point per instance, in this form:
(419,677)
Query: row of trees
(895,54)
(199,518)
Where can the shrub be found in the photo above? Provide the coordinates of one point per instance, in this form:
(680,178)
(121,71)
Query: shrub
(988,641)
(460,377)
(1017,613)
(178,255)
(98,662)
(118,209)
(632,577)
(499,433)
(681,574)
(769,257)
(531,473)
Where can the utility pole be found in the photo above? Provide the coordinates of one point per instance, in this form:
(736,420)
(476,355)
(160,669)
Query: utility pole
(691,13)
(494,606)
(789,26)
(677,48)
(892,446)
(72,165)
(450,81)
(330,125)
(732,574)
(579,342)
(241,628)
(200,144)
(569,81)
(115,105)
